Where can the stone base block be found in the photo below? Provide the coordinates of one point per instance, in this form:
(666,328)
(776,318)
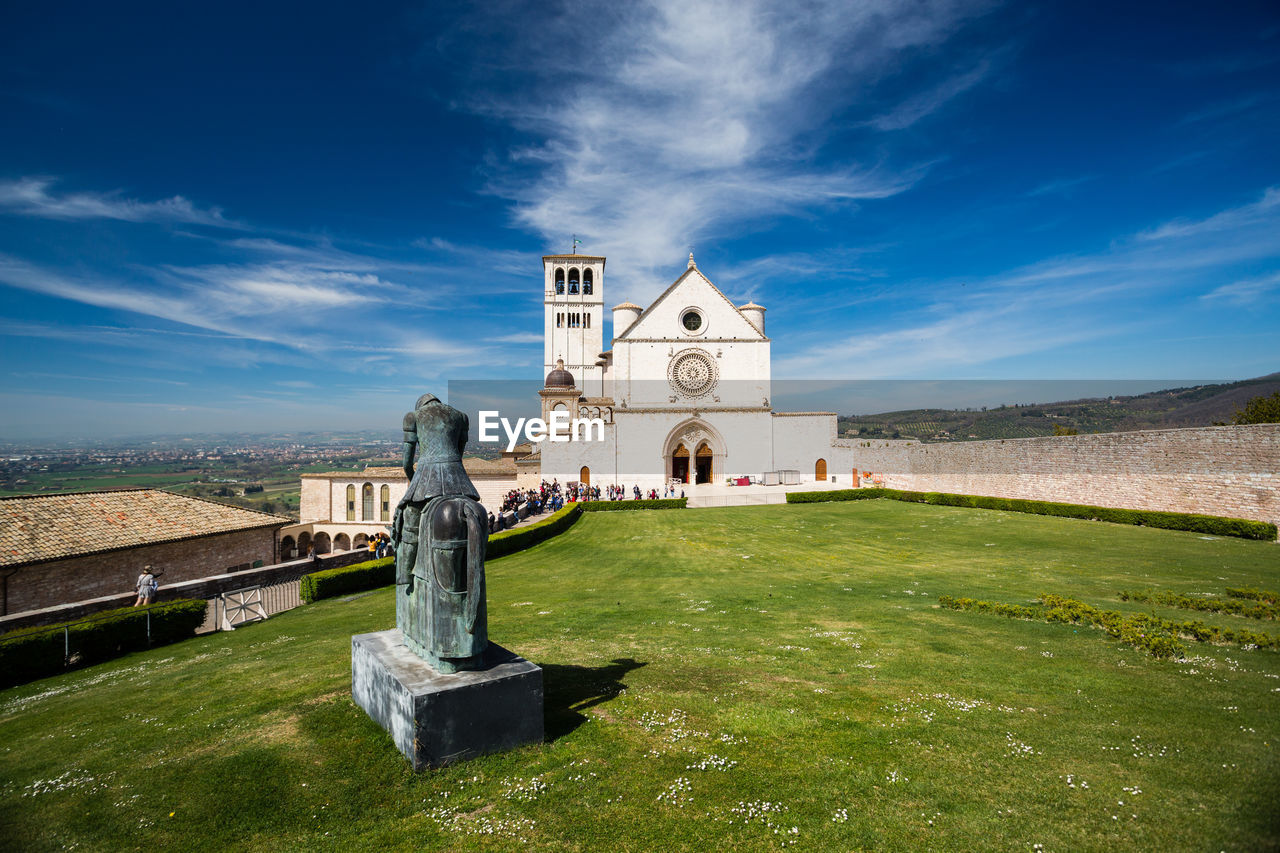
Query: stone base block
(437,719)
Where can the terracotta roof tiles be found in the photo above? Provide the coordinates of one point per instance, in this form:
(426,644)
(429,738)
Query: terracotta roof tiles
(40,528)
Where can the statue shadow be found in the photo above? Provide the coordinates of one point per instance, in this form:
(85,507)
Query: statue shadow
(568,691)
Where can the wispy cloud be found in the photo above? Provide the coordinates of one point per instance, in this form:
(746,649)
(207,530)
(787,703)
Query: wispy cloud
(32,196)
(1061,186)
(698,117)
(918,106)
(1111,294)
(1246,291)
(1264,209)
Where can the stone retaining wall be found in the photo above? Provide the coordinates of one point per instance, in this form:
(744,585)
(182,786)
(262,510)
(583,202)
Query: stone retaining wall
(1230,471)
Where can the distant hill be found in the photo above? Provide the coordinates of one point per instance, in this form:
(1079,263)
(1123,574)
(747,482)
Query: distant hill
(1200,405)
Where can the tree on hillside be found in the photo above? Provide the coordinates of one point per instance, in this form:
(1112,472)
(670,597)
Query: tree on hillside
(1059,429)
(1259,410)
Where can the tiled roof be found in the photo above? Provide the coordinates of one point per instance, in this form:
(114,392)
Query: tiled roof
(38,528)
(370,473)
(491,467)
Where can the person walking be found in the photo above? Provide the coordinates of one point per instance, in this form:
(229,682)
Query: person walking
(146,586)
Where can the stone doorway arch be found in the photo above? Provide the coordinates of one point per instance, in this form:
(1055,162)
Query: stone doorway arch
(584,476)
(702,452)
(680,463)
(820,470)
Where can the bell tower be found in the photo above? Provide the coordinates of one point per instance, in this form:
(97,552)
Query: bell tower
(573,302)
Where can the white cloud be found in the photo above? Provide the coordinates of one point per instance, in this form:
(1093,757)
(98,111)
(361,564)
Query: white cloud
(1264,209)
(667,123)
(1246,291)
(925,103)
(1073,300)
(31,196)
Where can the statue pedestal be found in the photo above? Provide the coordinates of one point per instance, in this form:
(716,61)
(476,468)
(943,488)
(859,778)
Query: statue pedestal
(437,719)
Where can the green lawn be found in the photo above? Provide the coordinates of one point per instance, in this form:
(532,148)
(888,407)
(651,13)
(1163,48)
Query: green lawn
(716,679)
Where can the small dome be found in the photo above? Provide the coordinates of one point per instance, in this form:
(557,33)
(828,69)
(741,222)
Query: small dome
(629,306)
(559,378)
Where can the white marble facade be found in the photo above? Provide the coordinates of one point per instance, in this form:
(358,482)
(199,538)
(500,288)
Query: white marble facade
(684,391)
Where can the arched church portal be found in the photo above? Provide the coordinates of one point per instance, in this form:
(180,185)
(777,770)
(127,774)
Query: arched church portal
(820,470)
(584,476)
(694,452)
(680,463)
(702,463)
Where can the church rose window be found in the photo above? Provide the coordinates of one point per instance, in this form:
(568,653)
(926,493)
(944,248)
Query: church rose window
(692,373)
(691,320)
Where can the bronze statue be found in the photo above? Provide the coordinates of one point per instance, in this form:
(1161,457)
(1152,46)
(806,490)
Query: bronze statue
(440,532)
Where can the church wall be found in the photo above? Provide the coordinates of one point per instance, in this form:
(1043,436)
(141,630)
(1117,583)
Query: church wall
(800,440)
(94,575)
(563,460)
(1231,470)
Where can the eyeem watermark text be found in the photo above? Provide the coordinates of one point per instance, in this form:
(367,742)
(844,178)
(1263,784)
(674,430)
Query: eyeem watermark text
(560,428)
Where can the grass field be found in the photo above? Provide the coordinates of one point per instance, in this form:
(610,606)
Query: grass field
(716,679)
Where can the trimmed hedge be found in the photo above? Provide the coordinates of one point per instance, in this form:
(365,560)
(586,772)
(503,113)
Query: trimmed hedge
(511,541)
(32,653)
(379,573)
(646,503)
(1158,636)
(354,578)
(1237,527)
(1233,606)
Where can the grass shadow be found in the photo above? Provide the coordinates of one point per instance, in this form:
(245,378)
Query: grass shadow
(569,690)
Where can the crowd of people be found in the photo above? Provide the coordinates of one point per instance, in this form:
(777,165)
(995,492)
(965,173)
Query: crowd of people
(549,497)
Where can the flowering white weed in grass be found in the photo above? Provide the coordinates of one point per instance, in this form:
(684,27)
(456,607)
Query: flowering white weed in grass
(525,790)
(713,762)
(451,820)
(1017,747)
(678,793)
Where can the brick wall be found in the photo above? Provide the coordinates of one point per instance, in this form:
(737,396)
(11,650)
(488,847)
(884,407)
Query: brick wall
(49,584)
(1232,470)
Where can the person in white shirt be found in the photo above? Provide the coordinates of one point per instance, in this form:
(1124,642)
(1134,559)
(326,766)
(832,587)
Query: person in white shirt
(147,586)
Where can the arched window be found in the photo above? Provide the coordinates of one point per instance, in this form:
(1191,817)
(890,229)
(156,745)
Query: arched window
(559,319)
(342,542)
(587,281)
(560,280)
(366,499)
(321,543)
(820,470)
(386,503)
(304,543)
(586,321)
(573,279)
(351,503)
(361,541)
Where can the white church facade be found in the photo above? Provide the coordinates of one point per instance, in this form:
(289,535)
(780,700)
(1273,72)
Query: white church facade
(683,389)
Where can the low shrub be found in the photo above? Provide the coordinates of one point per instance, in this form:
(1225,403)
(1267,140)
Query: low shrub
(646,503)
(835,495)
(1235,606)
(1255,594)
(32,653)
(1159,637)
(511,541)
(378,573)
(354,578)
(1216,525)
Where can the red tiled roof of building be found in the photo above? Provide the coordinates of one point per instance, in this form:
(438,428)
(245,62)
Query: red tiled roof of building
(40,528)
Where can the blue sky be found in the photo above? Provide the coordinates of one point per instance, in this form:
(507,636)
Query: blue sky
(273,216)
